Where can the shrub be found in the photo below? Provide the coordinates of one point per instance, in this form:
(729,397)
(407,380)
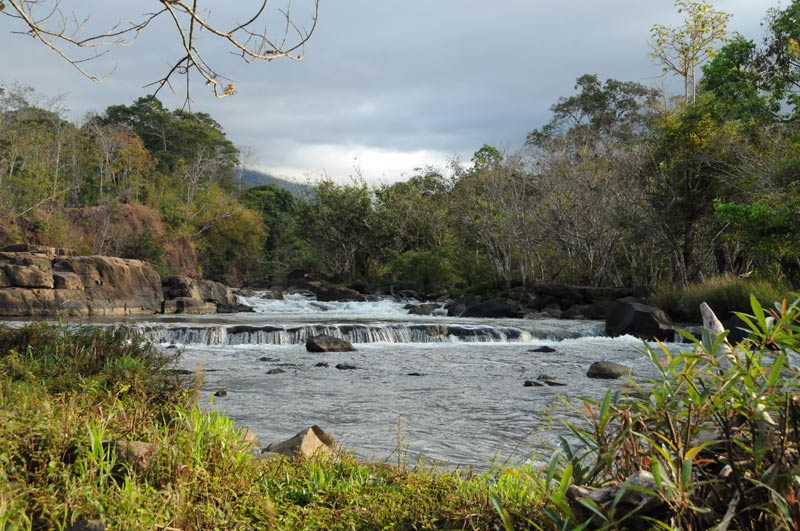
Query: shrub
(713,443)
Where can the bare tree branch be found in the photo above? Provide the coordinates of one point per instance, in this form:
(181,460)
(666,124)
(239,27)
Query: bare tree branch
(67,35)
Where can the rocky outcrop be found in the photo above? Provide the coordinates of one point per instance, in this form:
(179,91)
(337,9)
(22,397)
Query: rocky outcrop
(114,286)
(323,343)
(44,281)
(192,296)
(638,320)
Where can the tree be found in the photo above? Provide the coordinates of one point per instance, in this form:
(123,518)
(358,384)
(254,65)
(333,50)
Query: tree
(339,221)
(779,61)
(682,49)
(735,79)
(587,158)
(70,35)
(600,115)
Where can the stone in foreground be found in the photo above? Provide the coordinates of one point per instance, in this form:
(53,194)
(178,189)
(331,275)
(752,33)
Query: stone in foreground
(308,443)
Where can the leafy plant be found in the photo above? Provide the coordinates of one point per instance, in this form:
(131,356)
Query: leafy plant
(713,442)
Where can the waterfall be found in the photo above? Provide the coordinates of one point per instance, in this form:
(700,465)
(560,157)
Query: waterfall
(355,333)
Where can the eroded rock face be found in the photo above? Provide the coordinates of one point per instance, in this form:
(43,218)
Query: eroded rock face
(49,282)
(115,286)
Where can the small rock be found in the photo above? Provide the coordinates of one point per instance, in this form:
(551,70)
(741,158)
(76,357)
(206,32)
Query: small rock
(322,364)
(307,443)
(532,383)
(415,374)
(265,358)
(608,370)
(221,393)
(345,367)
(275,371)
(543,349)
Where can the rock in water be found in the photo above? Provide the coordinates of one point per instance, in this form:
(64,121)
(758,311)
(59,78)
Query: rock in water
(325,343)
(494,308)
(639,320)
(608,370)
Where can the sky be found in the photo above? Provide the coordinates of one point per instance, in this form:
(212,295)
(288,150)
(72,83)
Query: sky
(385,86)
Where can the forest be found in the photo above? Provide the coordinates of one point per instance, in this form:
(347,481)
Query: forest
(624,186)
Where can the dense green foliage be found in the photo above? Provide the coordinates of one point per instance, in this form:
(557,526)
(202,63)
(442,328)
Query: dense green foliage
(70,397)
(715,438)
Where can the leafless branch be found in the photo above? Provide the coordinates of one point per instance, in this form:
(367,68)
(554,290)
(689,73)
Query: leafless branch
(67,35)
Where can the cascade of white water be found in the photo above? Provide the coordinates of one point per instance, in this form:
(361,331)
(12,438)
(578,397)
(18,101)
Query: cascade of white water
(354,333)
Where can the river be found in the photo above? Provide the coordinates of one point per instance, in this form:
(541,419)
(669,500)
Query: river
(438,388)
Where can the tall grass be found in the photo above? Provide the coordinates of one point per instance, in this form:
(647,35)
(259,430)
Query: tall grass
(725,294)
(72,398)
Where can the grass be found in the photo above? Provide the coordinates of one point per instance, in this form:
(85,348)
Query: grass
(73,400)
(724,294)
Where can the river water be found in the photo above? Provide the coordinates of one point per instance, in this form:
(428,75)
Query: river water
(445,389)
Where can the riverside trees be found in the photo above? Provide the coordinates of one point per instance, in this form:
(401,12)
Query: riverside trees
(620,187)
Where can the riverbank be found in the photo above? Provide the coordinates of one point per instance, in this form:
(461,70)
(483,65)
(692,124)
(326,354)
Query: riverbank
(97,428)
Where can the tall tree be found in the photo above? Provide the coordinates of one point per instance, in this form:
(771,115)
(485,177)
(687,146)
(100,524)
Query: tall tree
(682,49)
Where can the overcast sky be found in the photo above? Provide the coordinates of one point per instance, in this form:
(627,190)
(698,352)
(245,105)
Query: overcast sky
(386,85)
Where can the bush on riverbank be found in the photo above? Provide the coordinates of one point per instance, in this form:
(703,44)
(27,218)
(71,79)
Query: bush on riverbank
(725,294)
(713,443)
(74,403)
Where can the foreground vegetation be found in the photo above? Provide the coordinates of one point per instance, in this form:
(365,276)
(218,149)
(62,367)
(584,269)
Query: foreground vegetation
(70,398)
(713,443)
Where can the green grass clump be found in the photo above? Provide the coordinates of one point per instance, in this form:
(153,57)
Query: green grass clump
(725,294)
(73,400)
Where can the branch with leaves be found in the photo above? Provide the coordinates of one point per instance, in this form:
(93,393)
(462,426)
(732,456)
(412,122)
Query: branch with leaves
(69,36)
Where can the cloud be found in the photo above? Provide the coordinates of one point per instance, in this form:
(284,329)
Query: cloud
(385,82)
(340,162)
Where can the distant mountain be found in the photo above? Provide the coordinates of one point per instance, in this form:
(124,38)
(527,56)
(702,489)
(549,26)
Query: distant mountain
(256,178)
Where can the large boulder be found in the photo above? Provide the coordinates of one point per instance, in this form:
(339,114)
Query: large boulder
(26,270)
(639,320)
(323,343)
(493,308)
(187,295)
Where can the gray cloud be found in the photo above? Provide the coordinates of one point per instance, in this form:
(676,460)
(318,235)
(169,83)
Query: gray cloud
(389,80)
